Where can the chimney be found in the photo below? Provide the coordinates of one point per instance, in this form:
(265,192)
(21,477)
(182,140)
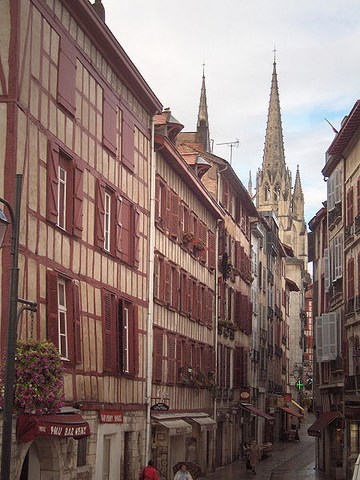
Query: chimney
(99,9)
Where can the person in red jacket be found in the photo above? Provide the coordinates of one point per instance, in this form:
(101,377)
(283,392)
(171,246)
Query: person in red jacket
(149,472)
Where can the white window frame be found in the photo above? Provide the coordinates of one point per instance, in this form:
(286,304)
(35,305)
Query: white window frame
(327,273)
(62,310)
(126,338)
(107,221)
(336,254)
(326,337)
(62,184)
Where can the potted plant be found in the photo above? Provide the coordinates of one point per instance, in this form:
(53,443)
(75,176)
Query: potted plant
(199,245)
(188,237)
(38,385)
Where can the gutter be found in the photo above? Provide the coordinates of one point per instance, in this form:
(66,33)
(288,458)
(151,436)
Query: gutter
(150,315)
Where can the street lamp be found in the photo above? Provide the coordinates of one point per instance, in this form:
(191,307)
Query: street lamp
(11,330)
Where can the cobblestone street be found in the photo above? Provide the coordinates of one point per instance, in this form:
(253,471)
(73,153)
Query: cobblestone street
(289,461)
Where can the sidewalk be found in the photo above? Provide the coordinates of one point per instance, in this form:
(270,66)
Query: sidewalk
(289,461)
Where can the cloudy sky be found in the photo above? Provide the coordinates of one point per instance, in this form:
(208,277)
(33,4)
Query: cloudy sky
(318,65)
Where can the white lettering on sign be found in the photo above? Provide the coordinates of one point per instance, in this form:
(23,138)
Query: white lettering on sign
(111,416)
(57,431)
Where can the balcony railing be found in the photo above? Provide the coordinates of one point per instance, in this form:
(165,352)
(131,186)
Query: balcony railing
(350,306)
(335,214)
(349,233)
(357,223)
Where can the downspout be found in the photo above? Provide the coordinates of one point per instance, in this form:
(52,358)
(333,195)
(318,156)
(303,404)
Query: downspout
(149,328)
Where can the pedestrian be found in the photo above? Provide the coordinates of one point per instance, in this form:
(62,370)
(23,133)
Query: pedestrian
(254,455)
(246,451)
(183,473)
(149,472)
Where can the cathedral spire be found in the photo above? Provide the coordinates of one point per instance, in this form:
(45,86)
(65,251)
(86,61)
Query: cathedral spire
(274,154)
(297,187)
(203,119)
(250,184)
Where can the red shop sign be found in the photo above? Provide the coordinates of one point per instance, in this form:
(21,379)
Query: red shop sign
(111,416)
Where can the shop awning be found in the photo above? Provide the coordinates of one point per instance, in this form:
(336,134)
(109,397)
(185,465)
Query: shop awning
(322,422)
(73,425)
(176,426)
(206,423)
(297,406)
(291,412)
(258,411)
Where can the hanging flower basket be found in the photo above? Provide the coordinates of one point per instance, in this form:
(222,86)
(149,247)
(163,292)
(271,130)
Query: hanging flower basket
(38,385)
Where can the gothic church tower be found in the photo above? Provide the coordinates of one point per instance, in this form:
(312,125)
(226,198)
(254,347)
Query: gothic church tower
(274,181)
(274,193)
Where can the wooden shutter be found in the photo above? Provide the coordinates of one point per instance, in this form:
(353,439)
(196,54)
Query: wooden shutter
(158,355)
(171,359)
(183,293)
(128,140)
(133,339)
(157,199)
(190,293)
(78,200)
(124,234)
(238,305)
(99,213)
(167,217)
(327,270)
(52,182)
(211,250)
(52,308)
(351,279)
(76,323)
(222,293)
(179,359)
(109,121)
(110,333)
(175,288)
(237,367)
(350,206)
(67,75)
(167,296)
(358,196)
(136,235)
(174,224)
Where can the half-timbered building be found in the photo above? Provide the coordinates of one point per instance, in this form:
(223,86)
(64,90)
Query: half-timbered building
(76,123)
(234,313)
(185,299)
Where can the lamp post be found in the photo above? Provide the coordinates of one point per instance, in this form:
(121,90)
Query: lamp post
(11,336)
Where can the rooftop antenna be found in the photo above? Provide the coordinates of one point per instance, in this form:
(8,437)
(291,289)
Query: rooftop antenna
(231,145)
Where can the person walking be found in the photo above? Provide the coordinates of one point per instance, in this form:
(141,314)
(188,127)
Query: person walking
(183,473)
(254,455)
(149,472)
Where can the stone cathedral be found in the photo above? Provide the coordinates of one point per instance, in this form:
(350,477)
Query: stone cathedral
(276,195)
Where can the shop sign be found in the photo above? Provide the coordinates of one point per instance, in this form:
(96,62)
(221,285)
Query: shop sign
(160,407)
(111,416)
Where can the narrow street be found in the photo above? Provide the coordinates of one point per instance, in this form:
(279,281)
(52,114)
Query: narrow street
(289,461)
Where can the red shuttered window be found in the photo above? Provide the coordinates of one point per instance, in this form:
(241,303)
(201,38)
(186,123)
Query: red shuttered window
(211,250)
(117,223)
(128,140)
(351,279)
(158,354)
(171,358)
(120,335)
(63,317)
(350,206)
(109,121)
(64,195)
(67,75)
(174,214)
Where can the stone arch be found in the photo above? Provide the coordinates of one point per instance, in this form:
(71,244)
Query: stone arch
(40,459)
(277,192)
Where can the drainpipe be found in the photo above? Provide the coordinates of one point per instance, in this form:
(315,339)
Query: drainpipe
(216,288)
(149,328)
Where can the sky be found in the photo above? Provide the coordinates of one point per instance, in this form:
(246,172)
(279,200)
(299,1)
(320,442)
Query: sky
(317,46)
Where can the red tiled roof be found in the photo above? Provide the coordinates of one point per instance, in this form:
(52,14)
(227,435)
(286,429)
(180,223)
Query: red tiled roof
(322,422)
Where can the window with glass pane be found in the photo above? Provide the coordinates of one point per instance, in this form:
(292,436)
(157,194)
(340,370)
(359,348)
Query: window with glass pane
(126,338)
(62,197)
(62,318)
(107,219)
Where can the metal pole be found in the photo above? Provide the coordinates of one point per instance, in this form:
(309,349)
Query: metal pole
(11,337)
